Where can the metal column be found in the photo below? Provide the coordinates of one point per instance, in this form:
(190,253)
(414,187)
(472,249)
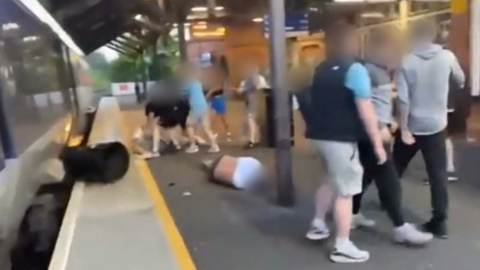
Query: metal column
(182,43)
(282,108)
(6,138)
(475,47)
(404,12)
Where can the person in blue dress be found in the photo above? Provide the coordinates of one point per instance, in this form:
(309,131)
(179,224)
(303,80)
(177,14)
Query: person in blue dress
(218,100)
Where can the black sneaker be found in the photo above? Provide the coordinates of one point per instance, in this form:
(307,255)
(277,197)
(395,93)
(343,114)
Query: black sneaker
(438,229)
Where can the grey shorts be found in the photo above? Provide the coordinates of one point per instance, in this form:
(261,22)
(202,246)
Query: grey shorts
(199,118)
(341,165)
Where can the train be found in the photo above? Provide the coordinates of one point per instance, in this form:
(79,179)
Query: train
(45,92)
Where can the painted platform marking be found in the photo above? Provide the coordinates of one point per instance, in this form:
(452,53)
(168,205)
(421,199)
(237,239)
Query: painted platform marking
(184,259)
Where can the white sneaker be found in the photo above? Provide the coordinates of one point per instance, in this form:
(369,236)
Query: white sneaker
(348,253)
(318,230)
(214,149)
(193,148)
(408,234)
(360,220)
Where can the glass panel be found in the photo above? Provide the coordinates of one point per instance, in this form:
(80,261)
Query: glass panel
(35,88)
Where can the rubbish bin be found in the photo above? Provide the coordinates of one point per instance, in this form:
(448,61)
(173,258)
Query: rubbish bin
(268,130)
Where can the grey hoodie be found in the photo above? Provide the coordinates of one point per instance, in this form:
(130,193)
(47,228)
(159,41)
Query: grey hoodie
(381,90)
(422,85)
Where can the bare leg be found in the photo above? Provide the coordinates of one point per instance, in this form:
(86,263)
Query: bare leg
(323,201)
(156,139)
(211,136)
(173,137)
(252,130)
(223,120)
(343,216)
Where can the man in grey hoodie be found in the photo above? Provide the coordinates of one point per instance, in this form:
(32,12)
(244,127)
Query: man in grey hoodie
(422,84)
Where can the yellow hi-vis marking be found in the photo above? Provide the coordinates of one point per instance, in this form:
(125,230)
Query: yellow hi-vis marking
(177,244)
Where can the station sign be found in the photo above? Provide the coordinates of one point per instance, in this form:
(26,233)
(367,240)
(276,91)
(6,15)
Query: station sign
(296,24)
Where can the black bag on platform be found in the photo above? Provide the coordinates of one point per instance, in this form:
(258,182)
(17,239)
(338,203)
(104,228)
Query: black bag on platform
(102,163)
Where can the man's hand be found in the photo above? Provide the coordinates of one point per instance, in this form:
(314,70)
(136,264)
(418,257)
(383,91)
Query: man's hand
(386,134)
(407,138)
(381,154)
(394,127)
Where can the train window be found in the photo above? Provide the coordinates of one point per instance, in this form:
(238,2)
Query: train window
(35,91)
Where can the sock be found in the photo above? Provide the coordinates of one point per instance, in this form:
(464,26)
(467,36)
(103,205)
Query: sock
(341,241)
(319,223)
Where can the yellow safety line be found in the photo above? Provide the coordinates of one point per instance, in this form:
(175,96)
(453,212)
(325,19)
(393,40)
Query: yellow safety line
(177,243)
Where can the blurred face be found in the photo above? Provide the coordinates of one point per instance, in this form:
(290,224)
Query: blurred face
(384,52)
(352,43)
(190,71)
(250,69)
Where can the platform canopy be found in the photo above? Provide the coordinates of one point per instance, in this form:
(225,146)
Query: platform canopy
(126,26)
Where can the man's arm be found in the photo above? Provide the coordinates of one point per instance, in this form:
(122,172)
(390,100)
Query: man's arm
(359,82)
(403,99)
(457,71)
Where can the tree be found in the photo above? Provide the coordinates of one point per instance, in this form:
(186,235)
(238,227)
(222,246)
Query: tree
(165,59)
(123,69)
(99,70)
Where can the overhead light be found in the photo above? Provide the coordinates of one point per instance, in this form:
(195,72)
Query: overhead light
(220,31)
(29,39)
(200,26)
(138,17)
(202,23)
(373,15)
(10,26)
(205,9)
(42,14)
(199,9)
(362,1)
(258,20)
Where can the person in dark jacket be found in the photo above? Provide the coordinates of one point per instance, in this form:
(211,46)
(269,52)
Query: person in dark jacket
(339,114)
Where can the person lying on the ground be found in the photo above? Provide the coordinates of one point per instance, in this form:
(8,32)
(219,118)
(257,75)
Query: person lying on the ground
(245,173)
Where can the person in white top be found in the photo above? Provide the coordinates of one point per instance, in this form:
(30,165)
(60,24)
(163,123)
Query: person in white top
(249,88)
(244,173)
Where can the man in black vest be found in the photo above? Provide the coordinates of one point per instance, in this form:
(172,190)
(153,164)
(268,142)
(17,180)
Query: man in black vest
(338,114)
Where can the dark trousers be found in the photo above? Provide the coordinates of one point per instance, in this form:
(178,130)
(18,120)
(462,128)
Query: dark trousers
(387,181)
(435,157)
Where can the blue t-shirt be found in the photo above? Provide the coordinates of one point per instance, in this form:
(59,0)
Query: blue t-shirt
(196,97)
(358,80)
